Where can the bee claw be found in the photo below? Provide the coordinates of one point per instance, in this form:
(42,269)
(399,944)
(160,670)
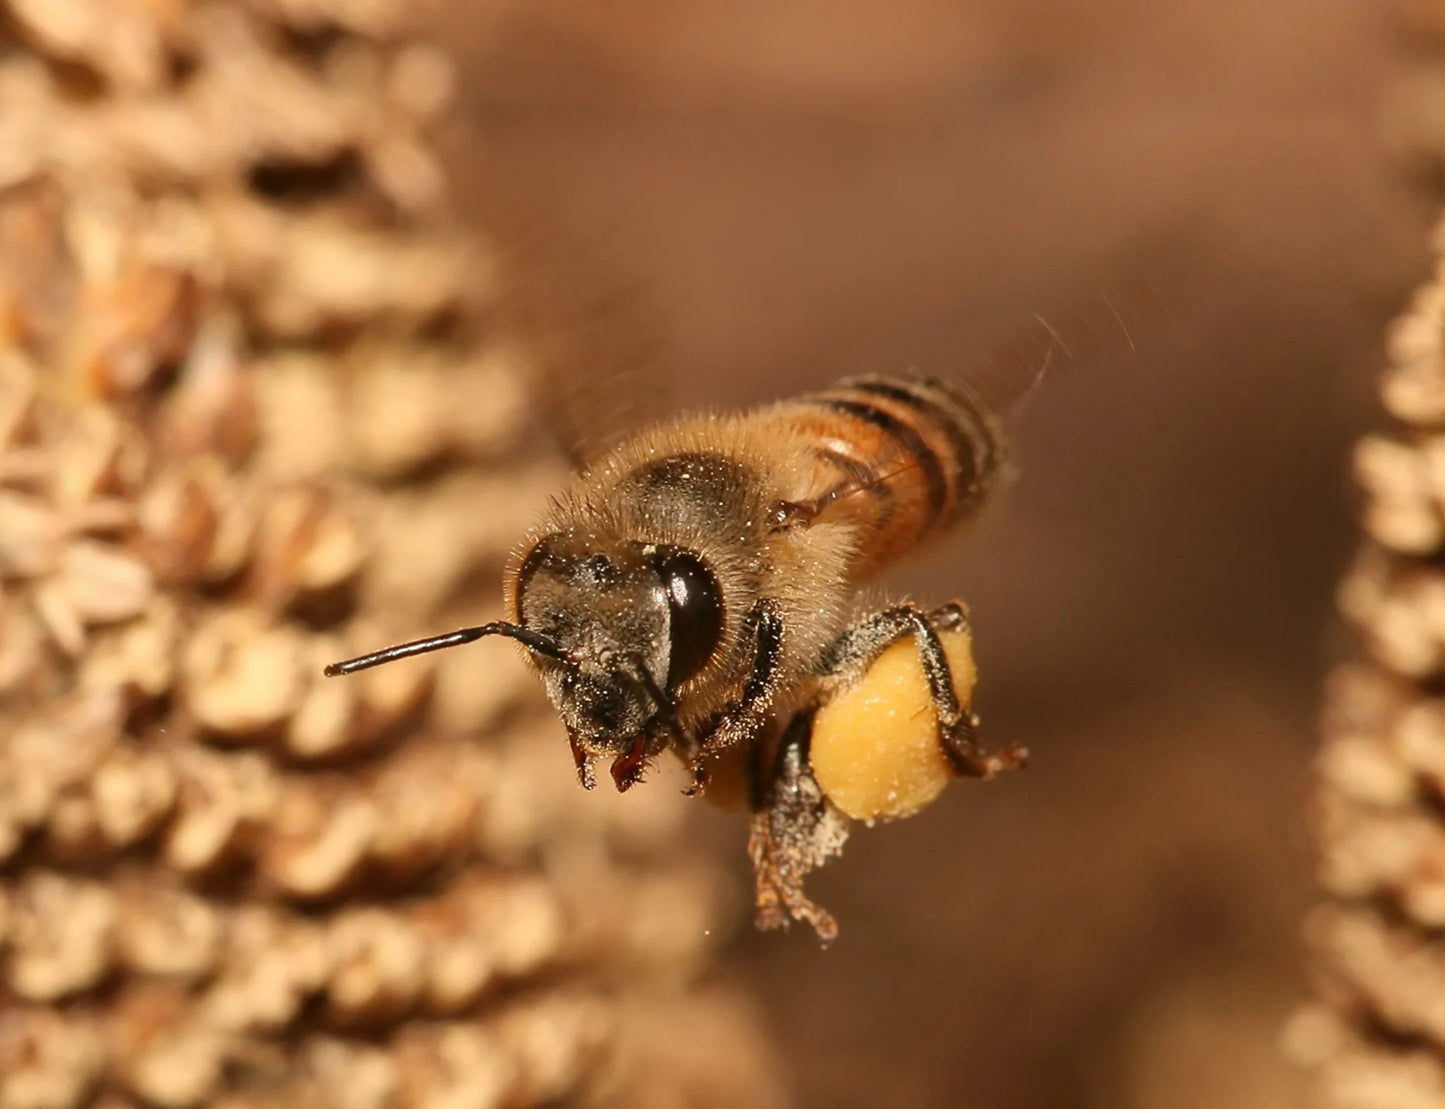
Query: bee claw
(970,760)
(698,786)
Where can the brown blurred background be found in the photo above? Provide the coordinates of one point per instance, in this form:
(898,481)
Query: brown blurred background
(792,190)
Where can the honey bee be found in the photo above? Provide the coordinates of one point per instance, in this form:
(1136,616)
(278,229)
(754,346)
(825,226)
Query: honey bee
(695,589)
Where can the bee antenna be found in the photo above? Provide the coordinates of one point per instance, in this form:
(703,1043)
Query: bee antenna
(877,480)
(532,640)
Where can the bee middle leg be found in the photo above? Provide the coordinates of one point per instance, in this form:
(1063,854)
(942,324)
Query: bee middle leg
(741,720)
(794,831)
(854,651)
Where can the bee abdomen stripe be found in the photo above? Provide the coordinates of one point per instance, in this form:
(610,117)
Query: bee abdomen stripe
(969,438)
(912,444)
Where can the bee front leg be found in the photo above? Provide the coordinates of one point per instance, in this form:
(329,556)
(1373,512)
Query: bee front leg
(741,720)
(585,773)
(855,650)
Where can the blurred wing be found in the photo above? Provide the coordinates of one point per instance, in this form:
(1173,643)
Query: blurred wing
(1117,319)
(594,343)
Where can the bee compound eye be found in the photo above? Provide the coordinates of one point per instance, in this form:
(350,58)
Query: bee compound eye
(695,606)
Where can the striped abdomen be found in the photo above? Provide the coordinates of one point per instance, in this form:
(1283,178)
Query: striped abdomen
(902,458)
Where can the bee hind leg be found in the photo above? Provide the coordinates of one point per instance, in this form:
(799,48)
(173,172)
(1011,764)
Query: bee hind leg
(969,759)
(794,831)
(856,649)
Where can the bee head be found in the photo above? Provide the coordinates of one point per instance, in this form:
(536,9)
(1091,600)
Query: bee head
(631,622)
(616,628)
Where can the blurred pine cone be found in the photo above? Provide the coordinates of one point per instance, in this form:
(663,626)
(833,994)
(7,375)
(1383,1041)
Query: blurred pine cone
(253,418)
(1376,1033)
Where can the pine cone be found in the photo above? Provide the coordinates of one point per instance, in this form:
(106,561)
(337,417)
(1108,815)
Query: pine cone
(252,419)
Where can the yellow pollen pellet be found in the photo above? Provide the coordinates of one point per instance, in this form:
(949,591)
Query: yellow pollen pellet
(875,751)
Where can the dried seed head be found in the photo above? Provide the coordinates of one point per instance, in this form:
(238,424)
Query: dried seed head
(553,1041)
(242,675)
(325,724)
(460,964)
(274,964)
(305,547)
(102,584)
(22,653)
(212,409)
(98,456)
(138,659)
(49,1058)
(31,536)
(52,754)
(165,1056)
(457,1064)
(351,1073)
(299,411)
(122,40)
(1402,512)
(198,525)
(19,422)
(427,801)
(138,325)
(62,937)
(252,411)
(378,968)
(333,275)
(135,791)
(1382,765)
(224,802)
(318,844)
(168,933)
